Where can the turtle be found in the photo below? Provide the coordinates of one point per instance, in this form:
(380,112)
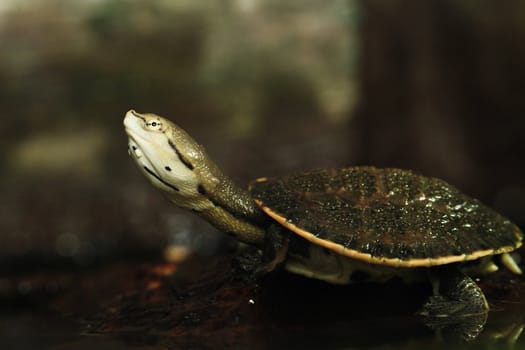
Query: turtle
(354,224)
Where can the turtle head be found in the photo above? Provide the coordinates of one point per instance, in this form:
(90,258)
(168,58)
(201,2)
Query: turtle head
(166,155)
(178,166)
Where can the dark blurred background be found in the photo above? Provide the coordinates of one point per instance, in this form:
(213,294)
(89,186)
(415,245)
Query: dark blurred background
(268,87)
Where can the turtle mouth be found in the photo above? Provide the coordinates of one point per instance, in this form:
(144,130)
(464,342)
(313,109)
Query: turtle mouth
(133,125)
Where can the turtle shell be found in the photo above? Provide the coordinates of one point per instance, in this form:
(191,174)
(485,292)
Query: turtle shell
(386,216)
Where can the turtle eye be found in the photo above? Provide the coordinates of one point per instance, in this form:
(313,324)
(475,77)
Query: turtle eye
(154,125)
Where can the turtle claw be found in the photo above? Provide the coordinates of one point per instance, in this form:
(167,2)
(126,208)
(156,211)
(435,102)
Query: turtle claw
(246,265)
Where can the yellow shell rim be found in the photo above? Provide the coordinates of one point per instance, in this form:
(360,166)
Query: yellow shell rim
(381,260)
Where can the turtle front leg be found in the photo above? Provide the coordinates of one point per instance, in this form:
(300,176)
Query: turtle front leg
(253,263)
(457,306)
(275,248)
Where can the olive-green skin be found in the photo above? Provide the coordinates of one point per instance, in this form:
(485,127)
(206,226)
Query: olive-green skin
(388,214)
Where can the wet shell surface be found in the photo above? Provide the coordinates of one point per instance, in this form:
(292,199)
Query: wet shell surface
(386,216)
